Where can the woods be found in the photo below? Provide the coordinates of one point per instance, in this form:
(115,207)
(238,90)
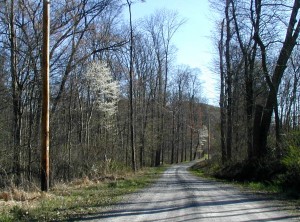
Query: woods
(259,96)
(117,98)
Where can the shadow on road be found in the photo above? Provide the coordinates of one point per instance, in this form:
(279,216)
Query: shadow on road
(128,212)
(178,196)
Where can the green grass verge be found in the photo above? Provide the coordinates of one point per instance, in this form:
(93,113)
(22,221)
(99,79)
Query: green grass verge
(75,201)
(265,187)
(198,173)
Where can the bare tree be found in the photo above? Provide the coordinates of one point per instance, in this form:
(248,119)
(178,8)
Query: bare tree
(132,132)
(222,93)
(273,80)
(46,96)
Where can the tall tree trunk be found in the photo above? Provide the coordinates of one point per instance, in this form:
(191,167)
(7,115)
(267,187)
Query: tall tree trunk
(132,132)
(222,95)
(178,135)
(173,139)
(159,112)
(30,134)
(192,113)
(69,144)
(249,63)
(16,98)
(45,171)
(277,131)
(229,83)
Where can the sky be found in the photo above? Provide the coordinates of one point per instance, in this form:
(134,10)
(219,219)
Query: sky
(193,39)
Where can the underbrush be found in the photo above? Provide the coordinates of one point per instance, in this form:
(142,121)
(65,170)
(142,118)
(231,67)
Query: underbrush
(205,168)
(80,197)
(291,162)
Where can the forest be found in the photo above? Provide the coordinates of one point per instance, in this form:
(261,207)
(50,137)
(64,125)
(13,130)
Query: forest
(119,100)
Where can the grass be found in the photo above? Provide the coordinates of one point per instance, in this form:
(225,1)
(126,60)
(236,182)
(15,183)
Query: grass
(204,168)
(74,200)
(266,187)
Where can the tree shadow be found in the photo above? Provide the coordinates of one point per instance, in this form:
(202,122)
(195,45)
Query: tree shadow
(195,210)
(184,198)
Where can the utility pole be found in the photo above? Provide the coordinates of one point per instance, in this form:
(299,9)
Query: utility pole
(45,98)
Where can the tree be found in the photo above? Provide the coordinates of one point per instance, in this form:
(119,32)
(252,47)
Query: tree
(69,36)
(161,27)
(254,53)
(103,90)
(222,94)
(228,80)
(274,80)
(132,130)
(248,48)
(46,96)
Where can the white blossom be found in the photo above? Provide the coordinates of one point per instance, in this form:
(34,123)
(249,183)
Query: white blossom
(103,89)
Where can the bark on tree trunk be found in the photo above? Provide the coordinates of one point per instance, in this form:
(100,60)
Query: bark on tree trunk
(173,138)
(222,95)
(45,171)
(17,116)
(229,83)
(132,132)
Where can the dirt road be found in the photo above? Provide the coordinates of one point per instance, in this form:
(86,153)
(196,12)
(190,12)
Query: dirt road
(180,196)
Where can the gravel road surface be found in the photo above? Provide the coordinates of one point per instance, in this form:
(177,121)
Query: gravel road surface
(180,196)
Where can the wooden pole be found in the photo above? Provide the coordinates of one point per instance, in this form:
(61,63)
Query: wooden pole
(45,98)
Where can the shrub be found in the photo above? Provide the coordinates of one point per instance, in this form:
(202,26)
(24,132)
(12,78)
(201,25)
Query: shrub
(291,161)
(252,170)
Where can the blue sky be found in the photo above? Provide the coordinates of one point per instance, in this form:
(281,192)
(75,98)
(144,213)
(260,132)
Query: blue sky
(195,47)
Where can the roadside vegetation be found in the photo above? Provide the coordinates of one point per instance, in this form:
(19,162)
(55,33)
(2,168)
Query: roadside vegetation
(74,199)
(273,176)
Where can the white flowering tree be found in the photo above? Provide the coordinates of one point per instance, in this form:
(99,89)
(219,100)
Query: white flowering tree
(102,89)
(99,94)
